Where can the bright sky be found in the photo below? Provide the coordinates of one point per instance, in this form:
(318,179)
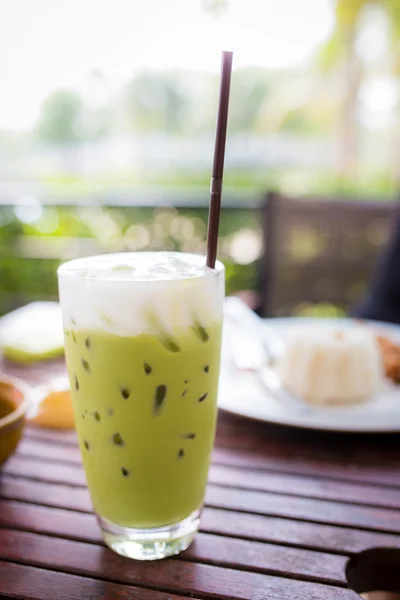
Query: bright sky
(46,44)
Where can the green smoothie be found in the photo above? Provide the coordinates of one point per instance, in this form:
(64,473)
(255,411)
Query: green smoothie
(145,411)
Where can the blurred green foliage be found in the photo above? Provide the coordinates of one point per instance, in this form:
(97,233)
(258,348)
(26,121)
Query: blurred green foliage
(65,119)
(240,183)
(60,118)
(31,252)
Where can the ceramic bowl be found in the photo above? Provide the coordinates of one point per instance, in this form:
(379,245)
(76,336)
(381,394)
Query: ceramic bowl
(14,404)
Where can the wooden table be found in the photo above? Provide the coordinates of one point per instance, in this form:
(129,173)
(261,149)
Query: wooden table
(285,509)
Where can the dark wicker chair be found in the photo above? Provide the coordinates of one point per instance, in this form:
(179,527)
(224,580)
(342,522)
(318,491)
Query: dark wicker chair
(319,250)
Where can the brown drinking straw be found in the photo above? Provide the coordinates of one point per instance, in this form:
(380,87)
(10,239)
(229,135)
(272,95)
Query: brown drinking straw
(219,156)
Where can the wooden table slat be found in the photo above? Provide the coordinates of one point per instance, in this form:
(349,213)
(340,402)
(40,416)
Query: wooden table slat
(314,536)
(318,511)
(31,583)
(61,437)
(342,470)
(60,496)
(45,471)
(168,575)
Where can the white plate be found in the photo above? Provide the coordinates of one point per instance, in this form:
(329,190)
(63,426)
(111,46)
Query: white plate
(32,331)
(242,394)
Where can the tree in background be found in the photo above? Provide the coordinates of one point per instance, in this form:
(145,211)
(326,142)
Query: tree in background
(340,55)
(60,118)
(154,101)
(96,119)
(251,87)
(182,102)
(393,11)
(66,118)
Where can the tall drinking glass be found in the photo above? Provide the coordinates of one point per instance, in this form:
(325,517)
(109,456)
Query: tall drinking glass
(142,343)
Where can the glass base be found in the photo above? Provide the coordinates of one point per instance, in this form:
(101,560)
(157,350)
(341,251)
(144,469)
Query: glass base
(150,544)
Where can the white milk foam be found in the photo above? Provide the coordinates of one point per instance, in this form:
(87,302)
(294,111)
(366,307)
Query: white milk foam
(132,293)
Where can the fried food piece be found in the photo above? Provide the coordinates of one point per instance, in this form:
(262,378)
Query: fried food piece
(391,358)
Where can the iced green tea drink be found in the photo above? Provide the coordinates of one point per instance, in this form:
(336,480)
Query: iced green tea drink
(142,341)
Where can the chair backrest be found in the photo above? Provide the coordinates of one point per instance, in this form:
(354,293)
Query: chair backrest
(319,250)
